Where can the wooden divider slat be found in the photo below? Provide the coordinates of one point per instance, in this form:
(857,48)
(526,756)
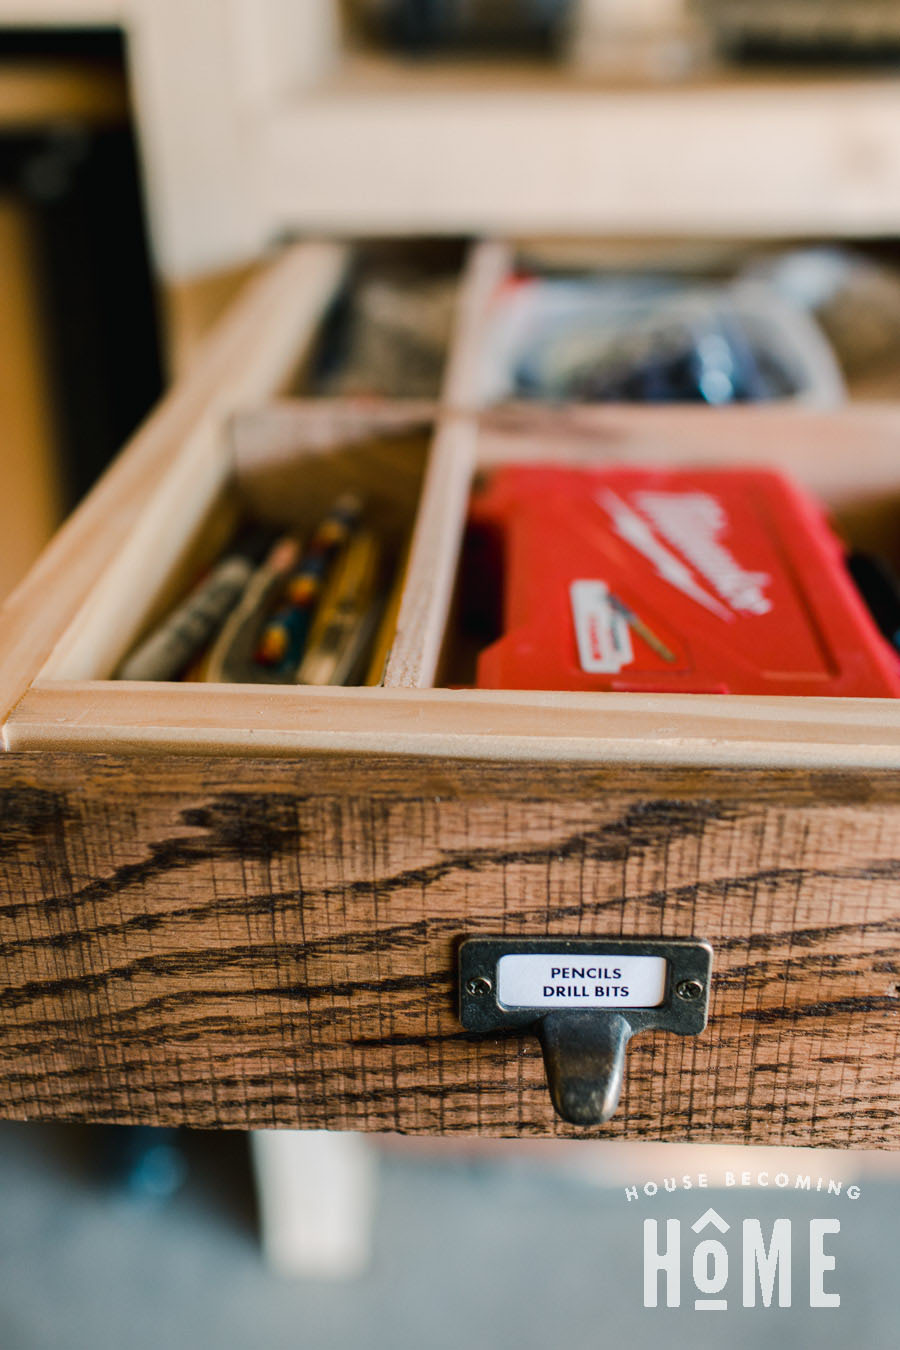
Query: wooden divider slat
(434,552)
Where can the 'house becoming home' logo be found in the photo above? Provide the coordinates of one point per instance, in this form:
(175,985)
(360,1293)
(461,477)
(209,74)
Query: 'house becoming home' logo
(712,1264)
(763,1263)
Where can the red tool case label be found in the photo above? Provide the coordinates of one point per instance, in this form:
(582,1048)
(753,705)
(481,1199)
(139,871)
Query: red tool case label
(691,581)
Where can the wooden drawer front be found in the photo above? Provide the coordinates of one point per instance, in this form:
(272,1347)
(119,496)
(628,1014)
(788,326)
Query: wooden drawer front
(268,943)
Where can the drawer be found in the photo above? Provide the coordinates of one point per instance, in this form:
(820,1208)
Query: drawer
(240,906)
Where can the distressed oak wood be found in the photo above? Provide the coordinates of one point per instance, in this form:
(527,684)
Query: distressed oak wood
(271,943)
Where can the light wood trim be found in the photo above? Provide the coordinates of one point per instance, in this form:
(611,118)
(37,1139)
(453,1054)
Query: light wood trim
(487,264)
(843,455)
(431,575)
(245,359)
(193,306)
(442,511)
(833,451)
(151,559)
(491,725)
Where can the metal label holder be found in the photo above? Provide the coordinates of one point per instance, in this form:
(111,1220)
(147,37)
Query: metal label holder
(584,1048)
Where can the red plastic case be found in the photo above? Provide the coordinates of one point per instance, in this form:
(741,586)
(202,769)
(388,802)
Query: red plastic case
(687,581)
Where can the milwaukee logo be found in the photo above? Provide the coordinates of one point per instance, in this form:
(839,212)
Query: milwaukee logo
(692,523)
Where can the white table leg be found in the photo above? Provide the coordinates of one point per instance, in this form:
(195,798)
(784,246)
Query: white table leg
(315,1192)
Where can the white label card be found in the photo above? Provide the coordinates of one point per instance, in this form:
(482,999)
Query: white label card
(601,629)
(528,980)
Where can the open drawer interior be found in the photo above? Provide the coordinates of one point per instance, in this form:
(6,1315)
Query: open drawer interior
(280,444)
(288,469)
(279,456)
(844,463)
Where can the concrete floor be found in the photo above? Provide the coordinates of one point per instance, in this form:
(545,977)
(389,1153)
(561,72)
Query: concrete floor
(510,1250)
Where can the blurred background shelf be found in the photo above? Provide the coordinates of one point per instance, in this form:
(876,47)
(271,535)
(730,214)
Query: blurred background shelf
(461,148)
(257,118)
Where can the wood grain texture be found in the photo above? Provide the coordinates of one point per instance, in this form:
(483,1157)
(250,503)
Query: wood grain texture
(271,943)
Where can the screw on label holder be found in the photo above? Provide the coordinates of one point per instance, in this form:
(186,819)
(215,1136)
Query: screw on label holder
(478,987)
(584,999)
